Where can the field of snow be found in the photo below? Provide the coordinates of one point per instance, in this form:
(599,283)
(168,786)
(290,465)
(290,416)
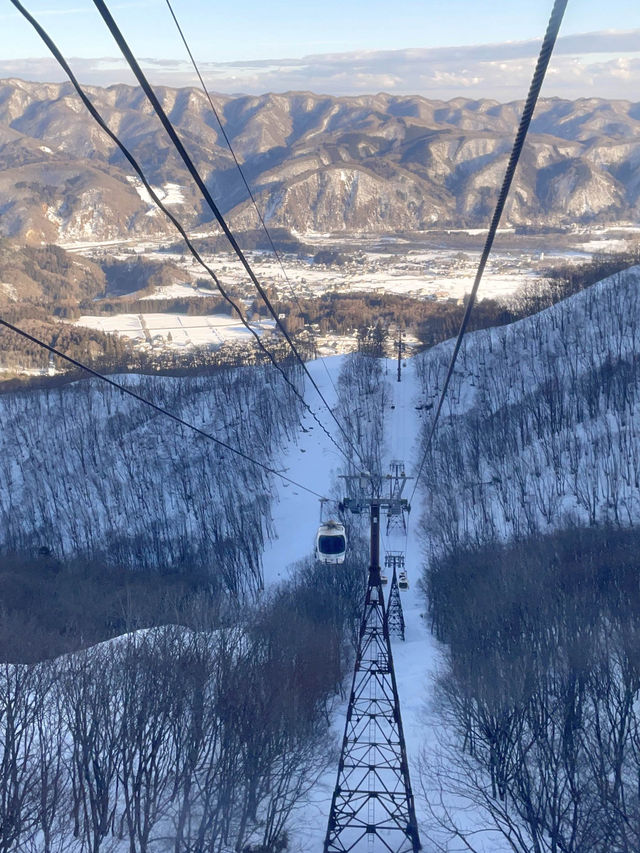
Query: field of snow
(439,286)
(611,245)
(176,330)
(312,460)
(179,291)
(439,270)
(168,194)
(9,289)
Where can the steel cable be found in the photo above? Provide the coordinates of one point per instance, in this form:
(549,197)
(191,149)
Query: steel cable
(527,114)
(186,159)
(138,170)
(242,175)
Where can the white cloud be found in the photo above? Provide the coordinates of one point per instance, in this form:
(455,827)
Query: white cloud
(586,65)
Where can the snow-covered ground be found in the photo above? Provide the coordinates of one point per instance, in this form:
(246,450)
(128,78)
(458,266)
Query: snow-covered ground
(311,459)
(440,270)
(9,289)
(568,341)
(314,461)
(168,193)
(179,291)
(175,330)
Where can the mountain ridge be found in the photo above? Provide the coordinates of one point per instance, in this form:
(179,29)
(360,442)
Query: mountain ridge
(375,163)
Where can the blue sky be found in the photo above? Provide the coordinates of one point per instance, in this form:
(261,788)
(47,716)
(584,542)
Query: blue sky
(350,47)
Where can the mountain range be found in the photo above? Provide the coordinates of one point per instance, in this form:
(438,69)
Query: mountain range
(375,163)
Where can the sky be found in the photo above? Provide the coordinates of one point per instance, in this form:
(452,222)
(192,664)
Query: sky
(341,47)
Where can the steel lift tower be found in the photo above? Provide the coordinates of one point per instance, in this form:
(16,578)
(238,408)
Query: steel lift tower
(395,617)
(372,808)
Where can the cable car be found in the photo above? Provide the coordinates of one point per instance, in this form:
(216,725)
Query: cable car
(331,542)
(403,580)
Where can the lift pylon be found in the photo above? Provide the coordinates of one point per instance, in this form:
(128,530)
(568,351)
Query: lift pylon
(400,354)
(372,808)
(395,617)
(396,480)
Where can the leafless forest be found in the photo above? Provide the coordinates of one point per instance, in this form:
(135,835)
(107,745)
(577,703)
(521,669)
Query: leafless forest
(532,581)
(188,739)
(88,472)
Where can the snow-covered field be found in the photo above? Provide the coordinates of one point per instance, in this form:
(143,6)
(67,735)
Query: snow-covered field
(9,289)
(383,264)
(169,194)
(179,291)
(176,330)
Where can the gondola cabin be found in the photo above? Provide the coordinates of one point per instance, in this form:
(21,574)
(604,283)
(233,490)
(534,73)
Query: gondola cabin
(331,542)
(403,580)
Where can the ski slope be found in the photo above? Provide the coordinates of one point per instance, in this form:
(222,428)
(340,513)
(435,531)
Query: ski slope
(314,461)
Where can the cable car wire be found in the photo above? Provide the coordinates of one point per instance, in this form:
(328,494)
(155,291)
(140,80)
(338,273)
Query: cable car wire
(534,90)
(242,174)
(155,198)
(159,409)
(186,159)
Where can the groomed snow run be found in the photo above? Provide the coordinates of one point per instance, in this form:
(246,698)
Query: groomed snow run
(314,461)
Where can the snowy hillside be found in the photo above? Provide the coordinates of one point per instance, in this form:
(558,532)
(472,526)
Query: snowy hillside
(93,714)
(532,503)
(87,472)
(540,428)
(538,433)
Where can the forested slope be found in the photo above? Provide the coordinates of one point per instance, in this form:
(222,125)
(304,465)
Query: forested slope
(542,427)
(532,507)
(87,472)
(174,738)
